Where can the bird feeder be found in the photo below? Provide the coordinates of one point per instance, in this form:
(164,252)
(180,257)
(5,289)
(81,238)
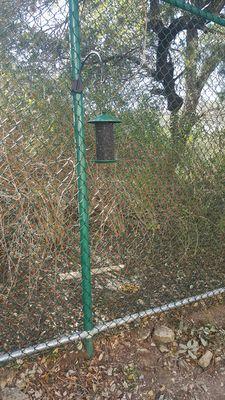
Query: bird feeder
(105,137)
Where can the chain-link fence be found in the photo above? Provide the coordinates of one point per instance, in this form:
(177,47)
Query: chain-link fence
(152,223)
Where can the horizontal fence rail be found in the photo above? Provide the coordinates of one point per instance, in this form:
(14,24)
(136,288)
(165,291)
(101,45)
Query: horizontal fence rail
(75,337)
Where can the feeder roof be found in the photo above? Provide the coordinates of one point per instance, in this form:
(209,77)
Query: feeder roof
(104,118)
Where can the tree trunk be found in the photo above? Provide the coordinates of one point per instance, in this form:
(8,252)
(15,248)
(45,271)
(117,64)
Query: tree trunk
(181,125)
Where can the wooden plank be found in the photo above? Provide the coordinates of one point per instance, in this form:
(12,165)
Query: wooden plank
(95,271)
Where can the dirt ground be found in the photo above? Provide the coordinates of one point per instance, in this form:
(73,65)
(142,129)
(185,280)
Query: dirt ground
(128,364)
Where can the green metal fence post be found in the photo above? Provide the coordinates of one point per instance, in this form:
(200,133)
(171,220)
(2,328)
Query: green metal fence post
(183,5)
(79,134)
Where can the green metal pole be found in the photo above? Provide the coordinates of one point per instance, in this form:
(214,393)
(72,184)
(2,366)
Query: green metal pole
(79,135)
(197,11)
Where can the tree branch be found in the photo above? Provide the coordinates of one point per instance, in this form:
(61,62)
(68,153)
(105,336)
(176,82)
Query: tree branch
(215,6)
(210,65)
(155,22)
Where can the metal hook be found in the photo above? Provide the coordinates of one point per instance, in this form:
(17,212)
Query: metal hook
(93,52)
(77,86)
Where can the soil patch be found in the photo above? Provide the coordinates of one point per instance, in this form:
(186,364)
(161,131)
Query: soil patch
(128,364)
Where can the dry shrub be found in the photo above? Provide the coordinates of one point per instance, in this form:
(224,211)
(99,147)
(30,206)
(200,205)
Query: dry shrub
(144,211)
(36,226)
(139,209)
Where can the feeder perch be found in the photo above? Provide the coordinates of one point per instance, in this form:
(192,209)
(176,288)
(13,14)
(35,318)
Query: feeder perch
(105,137)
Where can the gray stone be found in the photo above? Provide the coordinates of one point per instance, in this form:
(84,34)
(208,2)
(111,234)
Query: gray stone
(12,394)
(163,349)
(144,333)
(163,334)
(206,359)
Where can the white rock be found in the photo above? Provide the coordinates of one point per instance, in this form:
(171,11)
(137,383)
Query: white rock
(163,349)
(12,394)
(38,394)
(144,334)
(142,350)
(205,360)
(163,334)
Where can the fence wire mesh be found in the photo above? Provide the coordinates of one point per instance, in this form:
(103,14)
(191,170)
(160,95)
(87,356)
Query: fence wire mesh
(157,214)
